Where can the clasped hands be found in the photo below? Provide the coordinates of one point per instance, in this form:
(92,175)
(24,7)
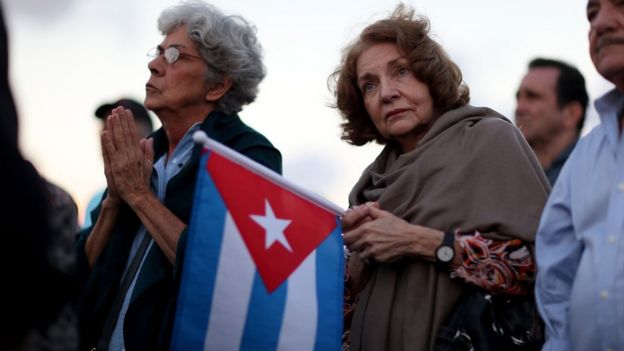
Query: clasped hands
(383,237)
(127,160)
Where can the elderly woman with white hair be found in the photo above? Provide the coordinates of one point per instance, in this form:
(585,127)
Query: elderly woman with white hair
(206,68)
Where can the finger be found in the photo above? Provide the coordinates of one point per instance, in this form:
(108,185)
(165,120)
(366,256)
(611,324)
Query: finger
(365,208)
(142,143)
(130,141)
(132,125)
(147,148)
(350,237)
(109,124)
(116,131)
(376,213)
(148,156)
(149,152)
(103,143)
(125,126)
(353,216)
(108,146)
(367,256)
(353,238)
(105,139)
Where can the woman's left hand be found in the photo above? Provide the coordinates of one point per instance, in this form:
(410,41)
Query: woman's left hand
(387,238)
(130,159)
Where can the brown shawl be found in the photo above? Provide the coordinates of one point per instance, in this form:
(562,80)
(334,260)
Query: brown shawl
(473,170)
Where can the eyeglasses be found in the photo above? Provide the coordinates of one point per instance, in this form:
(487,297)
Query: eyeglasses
(172,54)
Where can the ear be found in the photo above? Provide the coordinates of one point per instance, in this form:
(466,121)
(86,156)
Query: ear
(219,89)
(572,113)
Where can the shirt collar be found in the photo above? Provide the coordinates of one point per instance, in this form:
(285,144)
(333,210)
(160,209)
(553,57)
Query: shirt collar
(169,168)
(182,152)
(609,107)
(610,104)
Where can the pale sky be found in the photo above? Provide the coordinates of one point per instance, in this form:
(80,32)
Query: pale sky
(69,56)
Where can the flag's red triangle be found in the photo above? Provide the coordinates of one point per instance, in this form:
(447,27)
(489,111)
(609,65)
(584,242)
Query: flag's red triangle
(246,194)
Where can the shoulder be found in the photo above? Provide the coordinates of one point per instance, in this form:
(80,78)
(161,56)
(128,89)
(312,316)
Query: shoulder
(592,140)
(490,142)
(231,131)
(482,126)
(587,153)
(491,123)
(470,120)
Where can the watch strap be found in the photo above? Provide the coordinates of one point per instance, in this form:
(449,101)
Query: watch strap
(447,241)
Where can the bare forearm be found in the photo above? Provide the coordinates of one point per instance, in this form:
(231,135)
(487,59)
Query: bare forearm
(426,241)
(102,230)
(164,226)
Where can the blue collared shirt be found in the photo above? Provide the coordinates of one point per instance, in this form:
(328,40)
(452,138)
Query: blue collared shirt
(164,170)
(580,242)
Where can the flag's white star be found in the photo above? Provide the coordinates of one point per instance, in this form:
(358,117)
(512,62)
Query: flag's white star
(273,226)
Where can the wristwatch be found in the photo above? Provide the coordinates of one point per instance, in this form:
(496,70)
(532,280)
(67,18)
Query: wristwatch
(445,253)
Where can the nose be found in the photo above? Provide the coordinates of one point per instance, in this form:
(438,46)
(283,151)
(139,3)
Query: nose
(388,91)
(604,20)
(157,65)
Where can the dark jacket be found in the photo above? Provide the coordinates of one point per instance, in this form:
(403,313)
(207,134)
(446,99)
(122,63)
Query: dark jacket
(149,318)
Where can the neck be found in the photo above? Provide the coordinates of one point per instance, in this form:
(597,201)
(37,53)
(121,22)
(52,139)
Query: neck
(409,141)
(177,123)
(547,151)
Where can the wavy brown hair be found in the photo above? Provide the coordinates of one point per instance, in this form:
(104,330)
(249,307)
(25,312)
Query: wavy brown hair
(428,62)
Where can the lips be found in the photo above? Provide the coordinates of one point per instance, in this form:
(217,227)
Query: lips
(150,86)
(395,112)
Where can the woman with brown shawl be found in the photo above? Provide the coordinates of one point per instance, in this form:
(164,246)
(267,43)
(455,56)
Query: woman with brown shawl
(453,199)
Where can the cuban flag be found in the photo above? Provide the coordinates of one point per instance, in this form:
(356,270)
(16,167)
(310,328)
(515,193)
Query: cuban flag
(264,262)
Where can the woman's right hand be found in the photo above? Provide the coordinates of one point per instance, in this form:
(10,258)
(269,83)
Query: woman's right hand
(112,196)
(356,216)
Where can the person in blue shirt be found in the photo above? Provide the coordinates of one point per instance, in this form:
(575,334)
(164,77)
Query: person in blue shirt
(580,257)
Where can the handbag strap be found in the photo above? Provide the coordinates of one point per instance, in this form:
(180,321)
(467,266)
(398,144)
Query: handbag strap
(111,319)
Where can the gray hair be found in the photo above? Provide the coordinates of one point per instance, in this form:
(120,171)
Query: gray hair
(227,43)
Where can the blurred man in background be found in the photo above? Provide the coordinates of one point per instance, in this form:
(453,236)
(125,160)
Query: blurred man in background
(550,111)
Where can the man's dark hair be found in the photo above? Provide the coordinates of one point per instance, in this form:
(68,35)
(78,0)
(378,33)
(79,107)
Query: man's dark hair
(570,85)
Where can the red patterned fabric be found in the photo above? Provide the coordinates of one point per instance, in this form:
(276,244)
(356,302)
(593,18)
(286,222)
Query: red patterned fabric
(497,266)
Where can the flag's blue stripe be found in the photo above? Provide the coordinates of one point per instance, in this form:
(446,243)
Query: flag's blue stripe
(200,264)
(264,317)
(329,291)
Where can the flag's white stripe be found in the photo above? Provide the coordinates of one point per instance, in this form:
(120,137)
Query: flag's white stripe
(235,275)
(301,310)
(265,172)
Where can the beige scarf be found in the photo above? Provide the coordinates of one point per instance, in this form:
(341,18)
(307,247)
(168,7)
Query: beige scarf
(473,170)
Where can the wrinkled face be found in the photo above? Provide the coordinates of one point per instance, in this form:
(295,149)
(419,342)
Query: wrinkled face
(398,103)
(606,38)
(179,86)
(537,113)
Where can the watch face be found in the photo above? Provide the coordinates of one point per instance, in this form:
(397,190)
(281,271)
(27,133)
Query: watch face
(445,254)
